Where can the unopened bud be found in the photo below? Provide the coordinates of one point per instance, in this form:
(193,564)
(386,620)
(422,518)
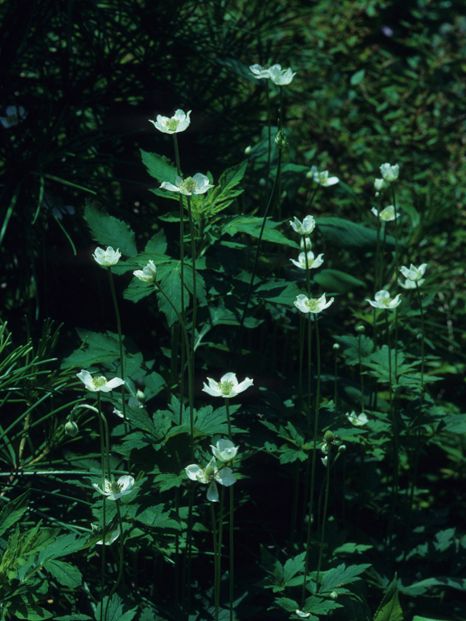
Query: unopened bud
(247,150)
(360,329)
(140,395)
(329,437)
(336,346)
(71,428)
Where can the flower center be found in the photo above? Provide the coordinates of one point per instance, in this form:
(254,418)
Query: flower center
(172,124)
(226,387)
(189,185)
(100,381)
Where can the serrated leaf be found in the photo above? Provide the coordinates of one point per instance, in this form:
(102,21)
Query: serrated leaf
(342,575)
(157,517)
(66,574)
(251,225)
(348,234)
(110,231)
(159,167)
(13,512)
(114,609)
(389,608)
(337,281)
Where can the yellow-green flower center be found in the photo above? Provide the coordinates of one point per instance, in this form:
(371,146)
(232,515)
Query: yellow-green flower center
(100,381)
(172,124)
(226,388)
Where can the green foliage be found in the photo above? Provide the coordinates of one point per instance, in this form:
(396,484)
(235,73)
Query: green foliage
(110,231)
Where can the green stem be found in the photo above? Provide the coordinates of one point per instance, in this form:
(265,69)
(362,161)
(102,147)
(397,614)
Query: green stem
(227,408)
(120,345)
(231,547)
(324,519)
(214,540)
(261,233)
(313,464)
(182,297)
(104,515)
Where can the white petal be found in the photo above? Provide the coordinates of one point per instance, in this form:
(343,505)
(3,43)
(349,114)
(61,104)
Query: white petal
(244,385)
(225,477)
(126,483)
(194,472)
(212,492)
(86,379)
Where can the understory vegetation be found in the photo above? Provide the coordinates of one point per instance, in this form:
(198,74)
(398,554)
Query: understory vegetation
(232,311)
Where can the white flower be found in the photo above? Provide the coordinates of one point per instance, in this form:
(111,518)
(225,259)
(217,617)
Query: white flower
(259,72)
(224,450)
(281,77)
(311,263)
(358,420)
(14,115)
(275,73)
(301,614)
(322,177)
(414,273)
(118,413)
(379,184)
(109,537)
(227,387)
(386,215)
(148,272)
(389,172)
(106,258)
(384,300)
(312,305)
(198,184)
(172,124)
(211,475)
(116,489)
(99,383)
(305,227)
(411,284)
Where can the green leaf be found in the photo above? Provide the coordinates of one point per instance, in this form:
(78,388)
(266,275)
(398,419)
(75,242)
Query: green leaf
(357,77)
(226,190)
(13,512)
(352,548)
(96,348)
(251,225)
(321,606)
(348,234)
(389,608)
(341,575)
(337,281)
(157,517)
(293,566)
(290,605)
(66,574)
(170,284)
(115,611)
(159,167)
(110,231)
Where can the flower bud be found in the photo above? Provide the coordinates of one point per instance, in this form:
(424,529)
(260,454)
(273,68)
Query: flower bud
(140,395)
(247,150)
(333,595)
(71,429)
(360,329)
(329,437)
(336,346)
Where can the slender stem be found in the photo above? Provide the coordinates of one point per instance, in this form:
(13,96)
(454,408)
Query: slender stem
(215,550)
(182,296)
(191,352)
(227,408)
(104,516)
(121,551)
(268,206)
(361,376)
(324,519)
(313,464)
(120,344)
(417,449)
(231,547)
